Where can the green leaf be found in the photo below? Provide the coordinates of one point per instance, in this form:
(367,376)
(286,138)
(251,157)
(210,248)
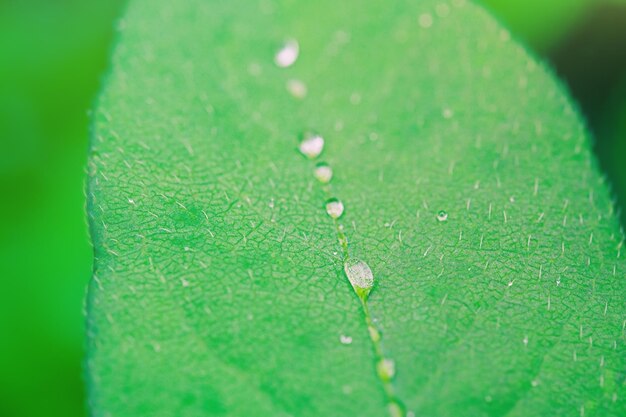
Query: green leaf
(468,188)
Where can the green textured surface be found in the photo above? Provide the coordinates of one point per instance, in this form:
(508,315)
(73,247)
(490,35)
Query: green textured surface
(218,285)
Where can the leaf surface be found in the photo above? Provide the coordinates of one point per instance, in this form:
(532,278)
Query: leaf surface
(219,284)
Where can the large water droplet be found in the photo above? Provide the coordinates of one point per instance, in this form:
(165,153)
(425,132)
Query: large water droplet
(312,145)
(323,173)
(288,54)
(360,276)
(334,208)
(442,216)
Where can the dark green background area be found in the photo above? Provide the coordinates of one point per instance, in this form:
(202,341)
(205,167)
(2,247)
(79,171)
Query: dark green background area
(53,57)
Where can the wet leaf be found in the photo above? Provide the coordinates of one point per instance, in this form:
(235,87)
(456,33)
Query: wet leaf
(467,186)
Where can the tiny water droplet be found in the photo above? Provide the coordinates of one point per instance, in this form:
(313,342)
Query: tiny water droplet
(334,208)
(323,173)
(345,340)
(396,410)
(386,369)
(288,54)
(312,145)
(442,216)
(374,334)
(297,88)
(360,276)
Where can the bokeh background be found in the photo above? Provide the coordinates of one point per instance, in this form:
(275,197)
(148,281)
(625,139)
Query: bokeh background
(53,55)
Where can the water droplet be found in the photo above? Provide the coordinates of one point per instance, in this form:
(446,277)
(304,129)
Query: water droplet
(297,88)
(323,173)
(312,145)
(334,208)
(360,276)
(374,334)
(288,54)
(386,369)
(396,410)
(447,113)
(442,216)
(345,340)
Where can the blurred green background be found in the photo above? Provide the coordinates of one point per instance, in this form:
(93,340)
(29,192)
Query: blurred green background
(53,57)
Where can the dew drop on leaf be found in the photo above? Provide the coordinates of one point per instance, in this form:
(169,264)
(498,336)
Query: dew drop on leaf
(297,88)
(442,216)
(360,276)
(323,172)
(312,145)
(374,334)
(386,369)
(288,54)
(334,208)
(396,410)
